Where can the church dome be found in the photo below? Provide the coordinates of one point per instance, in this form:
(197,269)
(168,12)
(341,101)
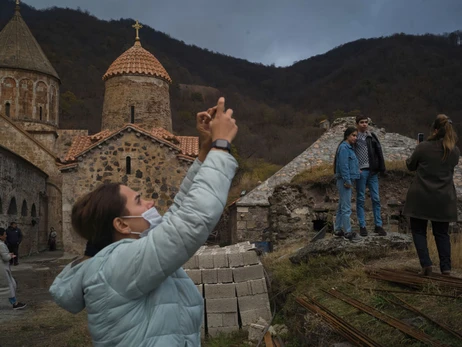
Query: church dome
(137,61)
(20,50)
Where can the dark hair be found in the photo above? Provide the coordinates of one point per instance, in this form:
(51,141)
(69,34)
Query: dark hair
(444,131)
(2,231)
(11,224)
(360,117)
(93,214)
(348,132)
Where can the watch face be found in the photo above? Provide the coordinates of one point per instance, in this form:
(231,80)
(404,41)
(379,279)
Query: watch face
(222,143)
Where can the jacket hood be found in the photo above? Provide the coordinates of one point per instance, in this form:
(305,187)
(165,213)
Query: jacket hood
(67,289)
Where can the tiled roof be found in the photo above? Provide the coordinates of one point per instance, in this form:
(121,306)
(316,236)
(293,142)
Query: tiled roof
(20,50)
(188,146)
(136,60)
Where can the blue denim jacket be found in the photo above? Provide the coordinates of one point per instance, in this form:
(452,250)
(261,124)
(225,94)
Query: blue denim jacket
(347,166)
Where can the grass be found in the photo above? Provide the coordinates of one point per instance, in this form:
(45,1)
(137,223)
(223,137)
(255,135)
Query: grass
(346,273)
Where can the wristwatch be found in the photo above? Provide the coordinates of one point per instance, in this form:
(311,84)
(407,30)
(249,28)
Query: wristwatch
(222,144)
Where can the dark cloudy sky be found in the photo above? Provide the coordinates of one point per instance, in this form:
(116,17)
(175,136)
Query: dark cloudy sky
(276,31)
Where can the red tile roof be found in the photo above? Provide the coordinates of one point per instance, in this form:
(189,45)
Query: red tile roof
(187,146)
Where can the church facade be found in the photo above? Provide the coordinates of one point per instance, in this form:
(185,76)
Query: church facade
(45,169)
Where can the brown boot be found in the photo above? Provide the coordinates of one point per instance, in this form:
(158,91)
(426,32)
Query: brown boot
(426,271)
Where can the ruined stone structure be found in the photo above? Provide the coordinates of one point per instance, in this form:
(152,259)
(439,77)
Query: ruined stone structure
(276,202)
(44,169)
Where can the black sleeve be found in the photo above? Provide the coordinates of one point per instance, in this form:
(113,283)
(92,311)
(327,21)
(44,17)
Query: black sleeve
(380,156)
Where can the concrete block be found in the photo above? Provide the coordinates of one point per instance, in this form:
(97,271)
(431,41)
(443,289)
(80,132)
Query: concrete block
(250,258)
(220,260)
(253,302)
(235,259)
(247,273)
(192,263)
(252,316)
(209,276)
(194,275)
(206,261)
(217,291)
(224,305)
(213,332)
(242,209)
(214,320)
(230,319)
(200,288)
(243,289)
(256,332)
(258,286)
(225,275)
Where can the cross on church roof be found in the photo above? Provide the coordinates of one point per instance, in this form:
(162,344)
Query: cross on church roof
(17,5)
(137,27)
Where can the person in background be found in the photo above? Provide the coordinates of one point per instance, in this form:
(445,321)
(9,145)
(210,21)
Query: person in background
(432,195)
(13,240)
(371,163)
(347,171)
(133,288)
(52,239)
(7,282)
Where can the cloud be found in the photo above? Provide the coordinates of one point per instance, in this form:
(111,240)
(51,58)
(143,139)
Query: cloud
(275,31)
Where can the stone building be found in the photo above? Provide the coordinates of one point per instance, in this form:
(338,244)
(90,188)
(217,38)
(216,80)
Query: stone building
(251,215)
(45,169)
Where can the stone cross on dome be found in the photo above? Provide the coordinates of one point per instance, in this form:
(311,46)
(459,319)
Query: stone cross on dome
(137,27)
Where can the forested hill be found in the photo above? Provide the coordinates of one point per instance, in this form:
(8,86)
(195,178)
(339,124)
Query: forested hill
(401,81)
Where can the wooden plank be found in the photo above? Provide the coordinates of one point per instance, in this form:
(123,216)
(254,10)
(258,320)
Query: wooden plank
(268,340)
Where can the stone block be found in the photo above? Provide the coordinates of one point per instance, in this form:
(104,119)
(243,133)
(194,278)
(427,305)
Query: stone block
(243,289)
(209,276)
(194,275)
(224,305)
(258,286)
(242,225)
(230,319)
(213,332)
(253,302)
(242,210)
(217,291)
(235,259)
(256,332)
(214,320)
(200,288)
(205,261)
(247,273)
(220,260)
(192,263)
(225,275)
(252,316)
(250,258)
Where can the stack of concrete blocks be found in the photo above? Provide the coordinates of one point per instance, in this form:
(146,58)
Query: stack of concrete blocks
(232,282)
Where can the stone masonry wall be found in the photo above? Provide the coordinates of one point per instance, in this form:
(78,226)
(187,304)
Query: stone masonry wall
(156,172)
(250,223)
(149,95)
(21,187)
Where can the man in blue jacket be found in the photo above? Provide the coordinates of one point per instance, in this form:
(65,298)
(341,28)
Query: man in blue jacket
(13,240)
(371,163)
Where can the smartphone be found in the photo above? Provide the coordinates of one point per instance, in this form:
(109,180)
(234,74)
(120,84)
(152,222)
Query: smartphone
(420,137)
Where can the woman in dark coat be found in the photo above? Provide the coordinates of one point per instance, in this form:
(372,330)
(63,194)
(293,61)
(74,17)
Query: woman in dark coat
(432,195)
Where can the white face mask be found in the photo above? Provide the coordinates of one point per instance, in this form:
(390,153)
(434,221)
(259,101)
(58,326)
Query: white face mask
(151,216)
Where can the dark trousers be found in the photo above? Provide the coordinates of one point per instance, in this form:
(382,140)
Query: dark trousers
(442,240)
(15,250)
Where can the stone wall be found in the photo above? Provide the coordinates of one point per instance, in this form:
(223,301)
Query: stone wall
(30,95)
(156,172)
(248,223)
(22,187)
(148,95)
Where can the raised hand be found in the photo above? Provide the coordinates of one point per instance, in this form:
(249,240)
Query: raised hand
(223,125)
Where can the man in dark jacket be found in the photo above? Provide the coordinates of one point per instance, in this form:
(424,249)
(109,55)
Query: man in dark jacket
(13,240)
(371,162)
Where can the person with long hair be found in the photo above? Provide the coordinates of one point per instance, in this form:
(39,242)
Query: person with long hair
(432,195)
(346,170)
(131,281)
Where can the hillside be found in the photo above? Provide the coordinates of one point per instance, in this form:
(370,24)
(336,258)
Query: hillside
(400,81)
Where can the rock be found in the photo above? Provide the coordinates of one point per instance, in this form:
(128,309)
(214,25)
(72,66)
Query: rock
(370,245)
(278,330)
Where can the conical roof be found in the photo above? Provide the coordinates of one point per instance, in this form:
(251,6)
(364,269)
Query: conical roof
(20,50)
(137,61)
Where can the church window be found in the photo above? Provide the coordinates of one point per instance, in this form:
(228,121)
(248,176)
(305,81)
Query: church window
(7,109)
(132,114)
(24,208)
(41,113)
(12,209)
(128,165)
(33,211)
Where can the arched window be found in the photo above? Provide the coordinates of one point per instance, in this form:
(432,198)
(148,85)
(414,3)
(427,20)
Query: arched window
(132,114)
(33,211)
(128,165)
(13,209)
(41,113)
(24,208)
(7,109)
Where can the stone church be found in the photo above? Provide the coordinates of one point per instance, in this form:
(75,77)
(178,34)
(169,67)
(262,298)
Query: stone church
(45,169)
